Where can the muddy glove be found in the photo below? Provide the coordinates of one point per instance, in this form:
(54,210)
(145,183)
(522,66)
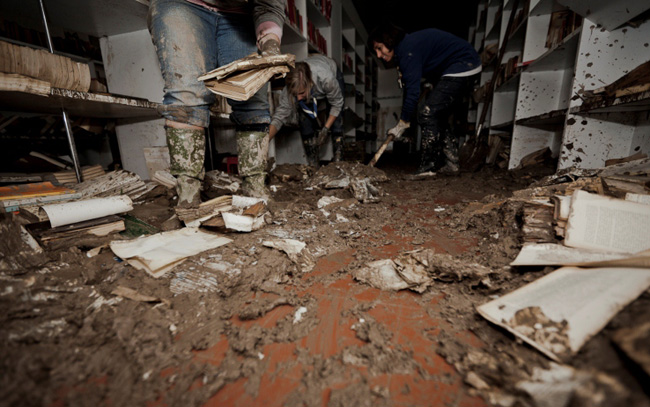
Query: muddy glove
(269,45)
(323,135)
(399,129)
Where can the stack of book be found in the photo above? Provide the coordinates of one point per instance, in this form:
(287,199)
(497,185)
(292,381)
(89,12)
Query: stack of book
(241,79)
(293,14)
(563,23)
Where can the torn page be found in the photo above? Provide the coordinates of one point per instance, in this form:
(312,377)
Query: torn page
(559,312)
(159,253)
(550,254)
(598,222)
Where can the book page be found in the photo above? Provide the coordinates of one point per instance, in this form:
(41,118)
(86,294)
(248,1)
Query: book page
(559,312)
(598,222)
(551,254)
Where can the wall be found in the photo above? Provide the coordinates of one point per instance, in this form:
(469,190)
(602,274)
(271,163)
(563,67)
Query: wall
(134,71)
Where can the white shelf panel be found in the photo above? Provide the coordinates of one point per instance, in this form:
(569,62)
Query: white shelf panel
(315,16)
(561,57)
(93,17)
(610,14)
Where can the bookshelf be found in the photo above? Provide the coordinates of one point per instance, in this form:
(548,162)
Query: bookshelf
(125,58)
(557,52)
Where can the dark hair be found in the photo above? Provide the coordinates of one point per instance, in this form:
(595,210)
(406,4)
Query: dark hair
(299,78)
(386,33)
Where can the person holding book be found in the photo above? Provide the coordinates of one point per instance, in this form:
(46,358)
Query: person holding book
(314,85)
(193,37)
(449,62)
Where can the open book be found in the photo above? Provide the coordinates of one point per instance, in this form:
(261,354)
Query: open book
(241,79)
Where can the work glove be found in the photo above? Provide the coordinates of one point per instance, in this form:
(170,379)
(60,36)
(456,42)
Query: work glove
(269,45)
(399,129)
(323,135)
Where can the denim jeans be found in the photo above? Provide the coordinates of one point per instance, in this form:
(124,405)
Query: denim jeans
(308,126)
(433,117)
(191,40)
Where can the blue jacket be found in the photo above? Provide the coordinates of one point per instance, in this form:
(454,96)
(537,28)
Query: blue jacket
(430,52)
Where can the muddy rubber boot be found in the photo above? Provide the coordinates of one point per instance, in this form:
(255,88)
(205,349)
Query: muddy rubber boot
(337,147)
(431,156)
(187,154)
(450,151)
(253,149)
(312,150)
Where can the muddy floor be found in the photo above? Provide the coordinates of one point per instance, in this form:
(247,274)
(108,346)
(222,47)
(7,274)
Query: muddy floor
(245,324)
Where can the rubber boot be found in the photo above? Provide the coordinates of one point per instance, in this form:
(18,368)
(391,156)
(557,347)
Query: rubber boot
(253,149)
(312,150)
(187,154)
(450,151)
(337,147)
(431,155)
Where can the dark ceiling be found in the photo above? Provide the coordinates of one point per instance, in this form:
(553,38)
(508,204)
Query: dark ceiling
(453,16)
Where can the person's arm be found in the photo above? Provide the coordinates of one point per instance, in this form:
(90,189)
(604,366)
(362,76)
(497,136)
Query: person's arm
(411,68)
(330,121)
(282,113)
(268,16)
(334,96)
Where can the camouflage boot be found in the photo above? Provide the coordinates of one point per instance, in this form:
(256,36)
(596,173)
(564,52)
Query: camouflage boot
(337,147)
(253,148)
(187,154)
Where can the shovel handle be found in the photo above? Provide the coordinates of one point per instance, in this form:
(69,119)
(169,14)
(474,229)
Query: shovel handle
(380,151)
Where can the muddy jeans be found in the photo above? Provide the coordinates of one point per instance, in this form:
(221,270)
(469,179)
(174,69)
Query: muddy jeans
(439,146)
(191,40)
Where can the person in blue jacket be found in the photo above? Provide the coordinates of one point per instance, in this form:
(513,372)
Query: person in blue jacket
(452,63)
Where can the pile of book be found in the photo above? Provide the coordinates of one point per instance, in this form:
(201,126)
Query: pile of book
(316,38)
(293,14)
(241,79)
(563,23)
(325,8)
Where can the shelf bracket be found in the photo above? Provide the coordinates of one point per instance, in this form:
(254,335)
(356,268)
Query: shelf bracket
(66,119)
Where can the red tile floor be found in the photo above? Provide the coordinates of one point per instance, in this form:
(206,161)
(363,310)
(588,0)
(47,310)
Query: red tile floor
(414,326)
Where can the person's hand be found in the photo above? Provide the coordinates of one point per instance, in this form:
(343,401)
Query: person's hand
(270,45)
(323,135)
(399,129)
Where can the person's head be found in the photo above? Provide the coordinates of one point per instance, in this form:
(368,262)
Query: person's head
(299,81)
(384,39)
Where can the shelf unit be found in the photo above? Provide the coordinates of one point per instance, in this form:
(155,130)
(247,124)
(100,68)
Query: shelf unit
(539,102)
(129,105)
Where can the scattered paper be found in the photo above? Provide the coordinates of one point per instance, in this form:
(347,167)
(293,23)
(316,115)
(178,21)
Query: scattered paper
(159,253)
(295,250)
(388,275)
(242,223)
(559,312)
